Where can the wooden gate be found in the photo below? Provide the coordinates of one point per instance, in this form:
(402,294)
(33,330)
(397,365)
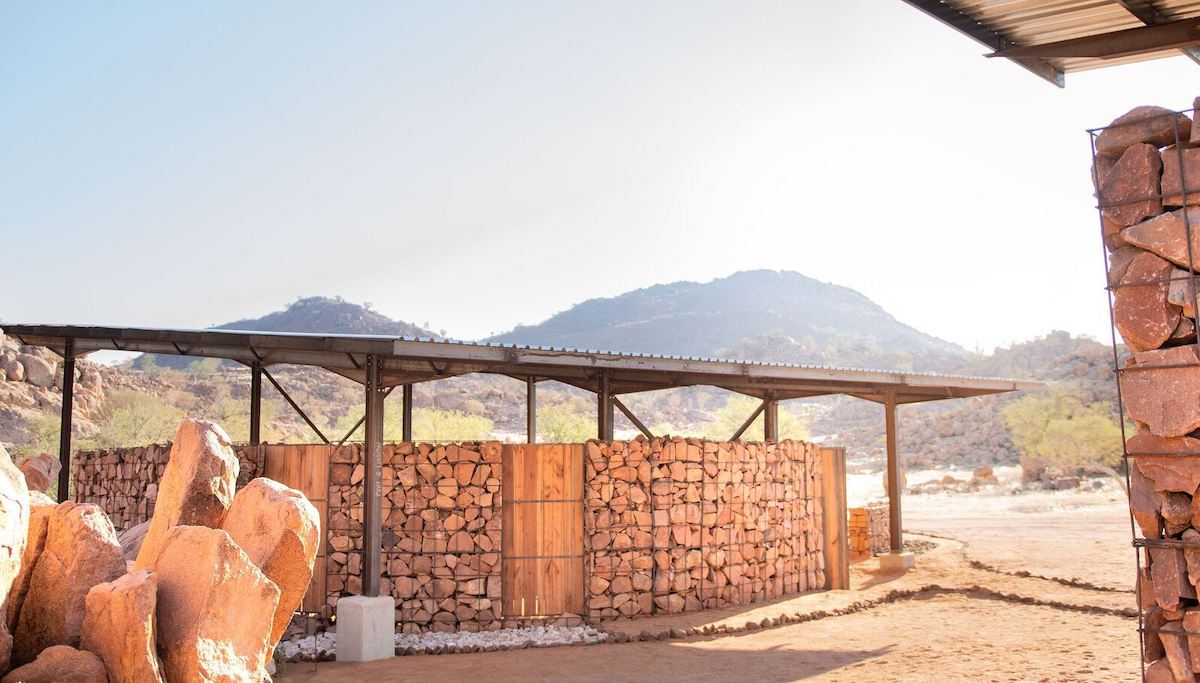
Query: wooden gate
(306,468)
(542,549)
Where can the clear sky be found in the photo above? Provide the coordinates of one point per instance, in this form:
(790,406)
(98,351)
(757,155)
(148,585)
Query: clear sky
(475,165)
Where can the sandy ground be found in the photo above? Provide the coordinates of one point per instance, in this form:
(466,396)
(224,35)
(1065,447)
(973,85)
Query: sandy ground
(947,619)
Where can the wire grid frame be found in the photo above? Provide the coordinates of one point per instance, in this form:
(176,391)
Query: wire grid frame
(1144,547)
(418,543)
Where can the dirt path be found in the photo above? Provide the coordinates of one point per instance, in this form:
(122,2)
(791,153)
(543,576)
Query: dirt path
(945,619)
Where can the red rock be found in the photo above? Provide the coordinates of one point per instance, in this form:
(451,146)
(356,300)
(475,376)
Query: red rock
(1175,645)
(1166,235)
(1176,510)
(1165,399)
(1191,624)
(40,471)
(1140,309)
(60,664)
(197,485)
(1173,189)
(1166,472)
(81,551)
(14,527)
(1179,293)
(1118,263)
(1168,572)
(1157,126)
(40,509)
(119,627)
(1160,672)
(1130,191)
(1152,649)
(1144,505)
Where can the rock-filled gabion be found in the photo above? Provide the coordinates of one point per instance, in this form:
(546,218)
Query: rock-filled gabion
(669,525)
(1151,229)
(675,525)
(124,481)
(868,532)
(441,512)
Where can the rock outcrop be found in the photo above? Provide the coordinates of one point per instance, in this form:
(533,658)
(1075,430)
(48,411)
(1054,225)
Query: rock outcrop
(60,664)
(40,471)
(215,607)
(14,526)
(197,486)
(119,627)
(279,530)
(81,551)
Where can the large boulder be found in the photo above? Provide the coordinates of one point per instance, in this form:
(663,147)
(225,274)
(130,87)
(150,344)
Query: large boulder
(41,507)
(38,371)
(280,530)
(1146,124)
(60,664)
(131,539)
(14,524)
(81,551)
(119,626)
(197,485)
(40,471)
(215,608)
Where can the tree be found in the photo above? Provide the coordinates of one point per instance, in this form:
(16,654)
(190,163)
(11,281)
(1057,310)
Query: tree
(432,424)
(567,422)
(133,418)
(1060,427)
(739,407)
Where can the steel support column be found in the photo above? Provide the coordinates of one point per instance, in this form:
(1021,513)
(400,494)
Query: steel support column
(255,404)
(770,419)
(68,410)
(604,409)
(893,471)
(406,415)
(530,410)
(372,481)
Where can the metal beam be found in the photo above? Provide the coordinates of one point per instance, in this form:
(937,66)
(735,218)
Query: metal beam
(64,428)
(372,482)
(749,421)
(530,410)
(1132,41)
(256,404)
(406,433)
(296,407)
(988,36)
(632,418)
(893,472)
(1149,13)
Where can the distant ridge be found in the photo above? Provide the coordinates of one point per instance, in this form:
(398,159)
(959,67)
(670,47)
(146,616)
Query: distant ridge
(706,319)
(330,315)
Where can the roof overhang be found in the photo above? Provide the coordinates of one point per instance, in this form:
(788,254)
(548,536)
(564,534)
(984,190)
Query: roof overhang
(1052,38)
(410,360)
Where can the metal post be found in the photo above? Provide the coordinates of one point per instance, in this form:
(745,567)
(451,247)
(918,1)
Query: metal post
(770,419)
(256,404)
(372,482)
(406,415)
(530,410)
(604,409)
(64,430)
(893,470)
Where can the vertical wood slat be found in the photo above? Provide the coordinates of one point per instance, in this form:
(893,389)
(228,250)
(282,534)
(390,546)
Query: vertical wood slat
(833,516)
(305,467)
(542,529)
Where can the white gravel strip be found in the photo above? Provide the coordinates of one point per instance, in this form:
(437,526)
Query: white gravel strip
(321,646)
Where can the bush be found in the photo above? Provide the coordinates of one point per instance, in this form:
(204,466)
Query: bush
(132,418)
(739,407)
(567,422)
(1060,427)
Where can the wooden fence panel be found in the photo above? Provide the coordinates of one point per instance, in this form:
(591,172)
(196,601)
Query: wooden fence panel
(834,518)
(542,550)
(305,467)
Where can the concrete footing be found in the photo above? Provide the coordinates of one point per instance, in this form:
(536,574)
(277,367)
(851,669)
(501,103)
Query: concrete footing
(366,628)
(894,562)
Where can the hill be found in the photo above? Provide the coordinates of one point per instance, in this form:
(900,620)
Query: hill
(702,319)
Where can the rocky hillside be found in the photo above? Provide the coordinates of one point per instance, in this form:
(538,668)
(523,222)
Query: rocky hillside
(702,319)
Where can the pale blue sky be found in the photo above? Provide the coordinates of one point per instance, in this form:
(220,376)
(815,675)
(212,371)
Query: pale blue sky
(477,165)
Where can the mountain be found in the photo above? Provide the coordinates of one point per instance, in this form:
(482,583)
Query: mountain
(335,315)
(316,314)
(704,319)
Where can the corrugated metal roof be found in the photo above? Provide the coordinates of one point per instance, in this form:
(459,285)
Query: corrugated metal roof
(417,359)
(1009,23)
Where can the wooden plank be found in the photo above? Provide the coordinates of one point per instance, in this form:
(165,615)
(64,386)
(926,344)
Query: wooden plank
(305,467)
(314,599)
(833,515)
